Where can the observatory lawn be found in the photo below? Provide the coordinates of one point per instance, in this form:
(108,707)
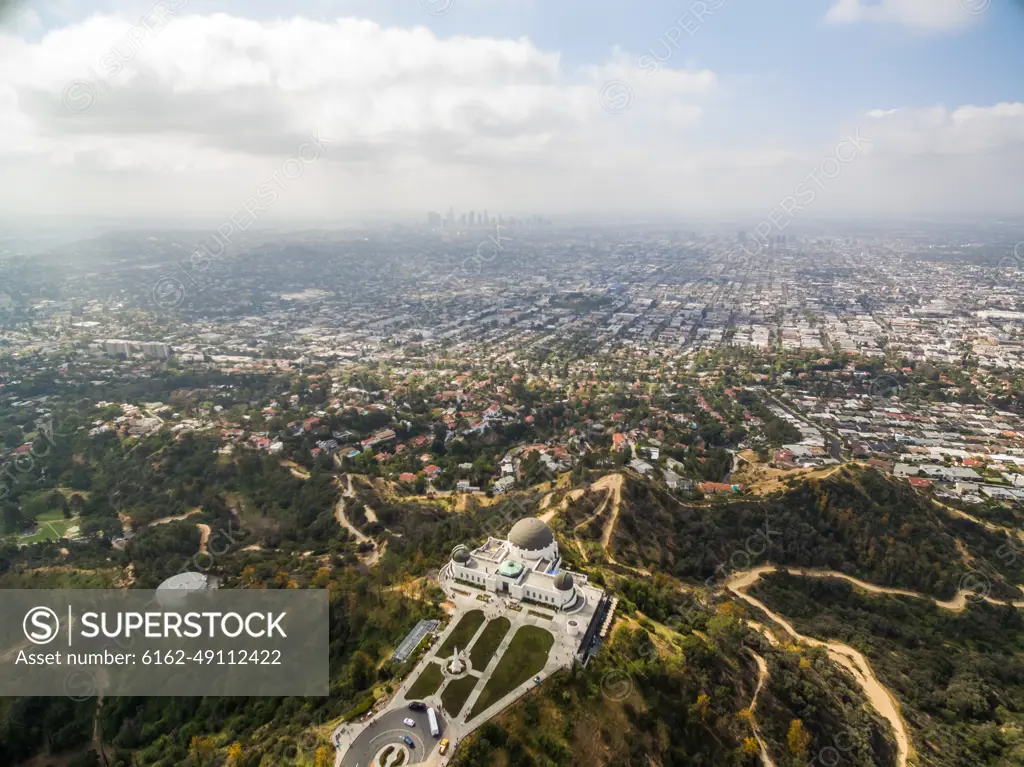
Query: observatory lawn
(457,692)
(462,633)
(488,642)
(525,658)
(427,684)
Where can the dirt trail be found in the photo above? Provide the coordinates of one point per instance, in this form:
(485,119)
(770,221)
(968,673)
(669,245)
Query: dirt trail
(97,738)
(204,531)
(612,487)
(551,511)
(296,471)
(614,484)
(179,518)
(990,526)
(747,578)
(371,558)
(762,677)
(852,660)
(575,531)
(127,578)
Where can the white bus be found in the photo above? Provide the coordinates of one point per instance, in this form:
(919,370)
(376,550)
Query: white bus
(432,718)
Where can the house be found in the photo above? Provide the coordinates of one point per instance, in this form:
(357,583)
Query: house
(641,467)
(950,473)
(919,482)
(504,484)
(380,437)
(784,456)
(406,476)
(883,466)
(675,482)
(433,471)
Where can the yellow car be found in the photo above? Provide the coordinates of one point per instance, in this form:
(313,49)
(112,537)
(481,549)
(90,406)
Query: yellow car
(444,746)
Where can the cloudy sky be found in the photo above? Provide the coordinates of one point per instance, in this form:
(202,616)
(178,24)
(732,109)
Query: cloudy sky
(184,108)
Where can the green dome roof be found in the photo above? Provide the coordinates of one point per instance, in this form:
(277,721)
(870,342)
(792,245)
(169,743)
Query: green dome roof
(510,569)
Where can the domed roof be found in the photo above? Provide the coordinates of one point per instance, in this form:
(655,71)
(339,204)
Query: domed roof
(564,581)
(460,554)
(511,569)
(188,581)
(530,534)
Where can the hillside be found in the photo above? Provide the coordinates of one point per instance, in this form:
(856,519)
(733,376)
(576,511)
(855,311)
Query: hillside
(692,675)
(655,696)
(854,521)
(958,676)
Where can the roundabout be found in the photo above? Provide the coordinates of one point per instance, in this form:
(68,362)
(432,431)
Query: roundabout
(382,742)
(393,756)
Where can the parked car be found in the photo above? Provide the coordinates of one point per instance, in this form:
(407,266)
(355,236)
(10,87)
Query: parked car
(417,705)
(409,722)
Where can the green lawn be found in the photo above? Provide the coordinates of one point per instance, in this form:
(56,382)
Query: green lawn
(462,634)
(457,693)
(487,643)
(52,526)
(524,658)
(427,684)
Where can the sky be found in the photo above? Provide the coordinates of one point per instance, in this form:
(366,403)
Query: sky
(330,109)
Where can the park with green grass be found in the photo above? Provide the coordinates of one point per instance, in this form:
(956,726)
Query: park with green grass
(462,633)
(526,656)
(53,526)
(488,642)
(457,693)
(429,681)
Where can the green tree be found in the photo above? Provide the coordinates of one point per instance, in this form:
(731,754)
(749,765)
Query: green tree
(13,438)
(798,739)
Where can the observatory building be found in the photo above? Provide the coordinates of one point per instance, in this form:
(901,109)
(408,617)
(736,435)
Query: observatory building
(188,581)
(176,590)
(526,565)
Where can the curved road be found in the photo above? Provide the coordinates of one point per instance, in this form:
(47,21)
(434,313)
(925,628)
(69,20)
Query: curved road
(389,729)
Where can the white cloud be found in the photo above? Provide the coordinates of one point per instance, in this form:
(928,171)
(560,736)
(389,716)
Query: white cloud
(250,87)
(190,119)
(966,130)
(918,14)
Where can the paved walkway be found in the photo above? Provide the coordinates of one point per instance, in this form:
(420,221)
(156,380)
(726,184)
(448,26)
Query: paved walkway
(562,655)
